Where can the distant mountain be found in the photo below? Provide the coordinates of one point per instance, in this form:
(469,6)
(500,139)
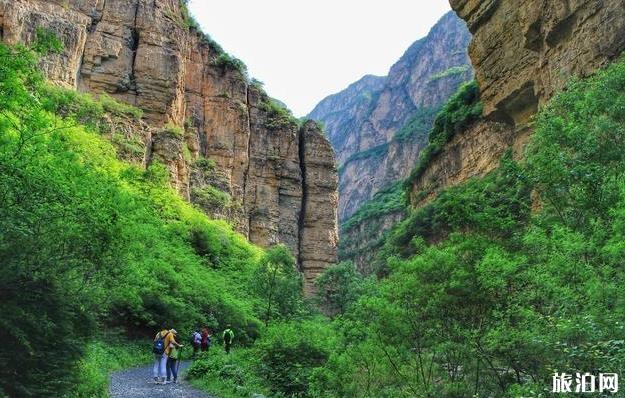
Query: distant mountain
(378,125)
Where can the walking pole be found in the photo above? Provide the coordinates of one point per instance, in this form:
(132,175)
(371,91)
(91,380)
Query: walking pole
(178,362)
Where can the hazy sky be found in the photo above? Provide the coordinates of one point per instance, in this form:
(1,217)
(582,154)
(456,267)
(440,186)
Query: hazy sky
(304,50)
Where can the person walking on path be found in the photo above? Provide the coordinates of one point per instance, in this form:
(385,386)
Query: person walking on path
(196,341)
(228,337)
(206,339)
(162,340)
(173,357)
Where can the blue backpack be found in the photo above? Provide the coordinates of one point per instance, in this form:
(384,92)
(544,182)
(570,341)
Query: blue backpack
(159,344)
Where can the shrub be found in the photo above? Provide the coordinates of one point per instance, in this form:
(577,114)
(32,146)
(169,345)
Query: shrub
(278,117)
(289,352)
(226,61)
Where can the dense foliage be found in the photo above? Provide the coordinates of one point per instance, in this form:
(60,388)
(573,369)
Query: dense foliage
(492,287)
(89,242)
(419,124)
(490,290)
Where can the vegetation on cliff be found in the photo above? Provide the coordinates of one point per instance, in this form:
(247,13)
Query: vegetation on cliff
(462,109)
(94,248)
(490,290)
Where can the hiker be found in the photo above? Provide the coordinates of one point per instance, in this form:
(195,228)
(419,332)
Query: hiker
(196,341)
(162,340)
(228,337)
(173,357)
(206,339)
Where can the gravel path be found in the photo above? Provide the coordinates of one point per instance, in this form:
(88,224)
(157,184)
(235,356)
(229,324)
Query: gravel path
(138,383)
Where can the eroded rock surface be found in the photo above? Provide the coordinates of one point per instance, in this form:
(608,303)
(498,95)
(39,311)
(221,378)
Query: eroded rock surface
(522,52)
(207,124)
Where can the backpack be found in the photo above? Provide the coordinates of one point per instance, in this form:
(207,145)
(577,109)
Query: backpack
(228,336)
(159,344)
(196,338)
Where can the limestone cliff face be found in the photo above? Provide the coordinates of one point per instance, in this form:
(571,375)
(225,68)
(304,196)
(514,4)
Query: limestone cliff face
(364,122)
(523,52)
(225,148)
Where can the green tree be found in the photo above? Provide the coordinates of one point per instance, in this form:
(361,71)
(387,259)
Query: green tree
(278,284)
(338,287)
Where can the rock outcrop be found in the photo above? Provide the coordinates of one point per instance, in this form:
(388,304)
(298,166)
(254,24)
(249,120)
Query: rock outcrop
(228,148)
(365,122)
(523,52)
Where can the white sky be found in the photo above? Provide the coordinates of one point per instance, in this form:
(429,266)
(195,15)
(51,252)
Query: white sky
(304,50)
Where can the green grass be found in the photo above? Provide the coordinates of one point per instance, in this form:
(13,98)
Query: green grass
(103,357)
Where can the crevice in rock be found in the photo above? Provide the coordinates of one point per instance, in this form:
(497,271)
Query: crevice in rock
(96,18)
(134,46)
(249,158)
(304,203)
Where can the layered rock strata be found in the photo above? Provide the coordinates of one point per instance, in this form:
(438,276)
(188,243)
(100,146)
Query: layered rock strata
(224,145)
(523,52)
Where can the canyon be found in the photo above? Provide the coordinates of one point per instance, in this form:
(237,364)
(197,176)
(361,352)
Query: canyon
(378,125)
(229,147)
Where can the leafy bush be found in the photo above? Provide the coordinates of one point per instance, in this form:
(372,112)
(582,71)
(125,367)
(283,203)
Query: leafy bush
(278,285)
(226,61)
(278,117)
(288,354)
(339,287)
(232,375)
(102,357)
(209,196)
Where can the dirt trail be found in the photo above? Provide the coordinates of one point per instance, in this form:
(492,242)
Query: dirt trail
(138,383)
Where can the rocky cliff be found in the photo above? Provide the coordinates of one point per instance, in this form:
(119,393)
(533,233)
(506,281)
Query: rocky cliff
(229,148)
(378,125)
(522,53)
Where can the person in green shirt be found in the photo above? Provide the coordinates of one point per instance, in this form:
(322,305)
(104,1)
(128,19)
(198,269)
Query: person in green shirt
(228,337)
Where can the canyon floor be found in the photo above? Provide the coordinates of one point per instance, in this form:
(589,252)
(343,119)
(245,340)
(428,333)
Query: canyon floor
(138,383)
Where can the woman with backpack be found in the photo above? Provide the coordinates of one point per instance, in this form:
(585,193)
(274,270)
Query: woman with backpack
(206,339)
(162,340)
(173,357)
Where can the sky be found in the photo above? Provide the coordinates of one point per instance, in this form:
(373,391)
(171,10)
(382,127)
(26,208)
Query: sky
(305,50)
